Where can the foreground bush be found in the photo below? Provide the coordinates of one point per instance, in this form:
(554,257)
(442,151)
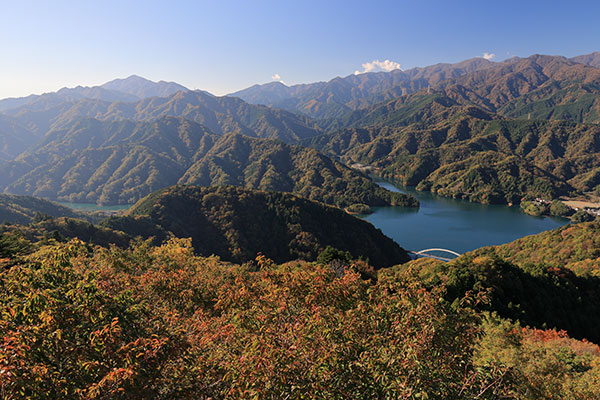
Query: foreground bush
(538,364)
(161,323)
(158,322)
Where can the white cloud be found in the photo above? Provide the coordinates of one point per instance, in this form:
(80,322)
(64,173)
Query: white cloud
(277,77)
(488,56)
(377,65)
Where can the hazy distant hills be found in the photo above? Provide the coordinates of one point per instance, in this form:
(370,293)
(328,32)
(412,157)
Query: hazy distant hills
(219,114)
(14,138)
(142,88)
(592,59)
(64,95)
(131,89)
(340,95)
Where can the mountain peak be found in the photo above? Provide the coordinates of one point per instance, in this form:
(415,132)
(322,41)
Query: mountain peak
(130,78)
(143,88)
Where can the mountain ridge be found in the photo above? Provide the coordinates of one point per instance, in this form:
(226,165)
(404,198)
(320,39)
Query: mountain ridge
(433,142)
(118,162)
(332,99)
(220,114)
(131,89)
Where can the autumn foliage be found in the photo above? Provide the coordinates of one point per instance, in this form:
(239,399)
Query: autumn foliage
(159,322)
(162,323)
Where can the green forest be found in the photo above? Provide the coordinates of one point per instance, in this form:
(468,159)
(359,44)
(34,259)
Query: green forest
(236,224)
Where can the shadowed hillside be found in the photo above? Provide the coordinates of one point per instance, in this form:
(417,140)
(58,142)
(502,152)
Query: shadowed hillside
(237,224)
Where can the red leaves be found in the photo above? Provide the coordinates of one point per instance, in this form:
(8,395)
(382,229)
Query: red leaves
(159,321)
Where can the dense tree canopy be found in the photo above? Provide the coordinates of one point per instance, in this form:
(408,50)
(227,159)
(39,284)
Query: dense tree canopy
(236,224)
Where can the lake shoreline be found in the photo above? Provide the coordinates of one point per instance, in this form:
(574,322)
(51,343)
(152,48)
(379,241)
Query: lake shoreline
(458,225)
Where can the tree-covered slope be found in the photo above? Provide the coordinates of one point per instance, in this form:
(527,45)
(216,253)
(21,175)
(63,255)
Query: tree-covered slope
(14,138)
(161,322)
(541,87)
(44,229)
(23,209)
(272,165)
(219,114)
(108,162)
(434,142)
(573,246)
(237,224)
(551,279)
(116,162)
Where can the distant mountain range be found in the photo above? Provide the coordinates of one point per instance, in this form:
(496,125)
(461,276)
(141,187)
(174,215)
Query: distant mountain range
(219,114)
(142,88)
(340,95)
(592,59)
(325,100)
(493,132)
(131,89)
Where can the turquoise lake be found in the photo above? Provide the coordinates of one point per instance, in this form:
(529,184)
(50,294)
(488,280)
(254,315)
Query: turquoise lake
(456,225)
(94,207)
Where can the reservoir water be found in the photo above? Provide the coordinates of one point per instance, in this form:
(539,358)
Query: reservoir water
(456,225)
(439,222)
(94,207)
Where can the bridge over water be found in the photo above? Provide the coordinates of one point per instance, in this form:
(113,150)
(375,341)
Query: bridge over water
(426,253)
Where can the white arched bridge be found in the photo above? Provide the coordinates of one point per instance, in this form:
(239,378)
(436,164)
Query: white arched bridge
(427,253)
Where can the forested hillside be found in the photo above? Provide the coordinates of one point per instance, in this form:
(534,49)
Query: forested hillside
(269,165)
(548,280)
(236,224)
(120,162)
(107,162)
(445,145)
(23,209)
(574,246)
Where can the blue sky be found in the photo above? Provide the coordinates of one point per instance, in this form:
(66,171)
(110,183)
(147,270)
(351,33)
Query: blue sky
(222,46)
